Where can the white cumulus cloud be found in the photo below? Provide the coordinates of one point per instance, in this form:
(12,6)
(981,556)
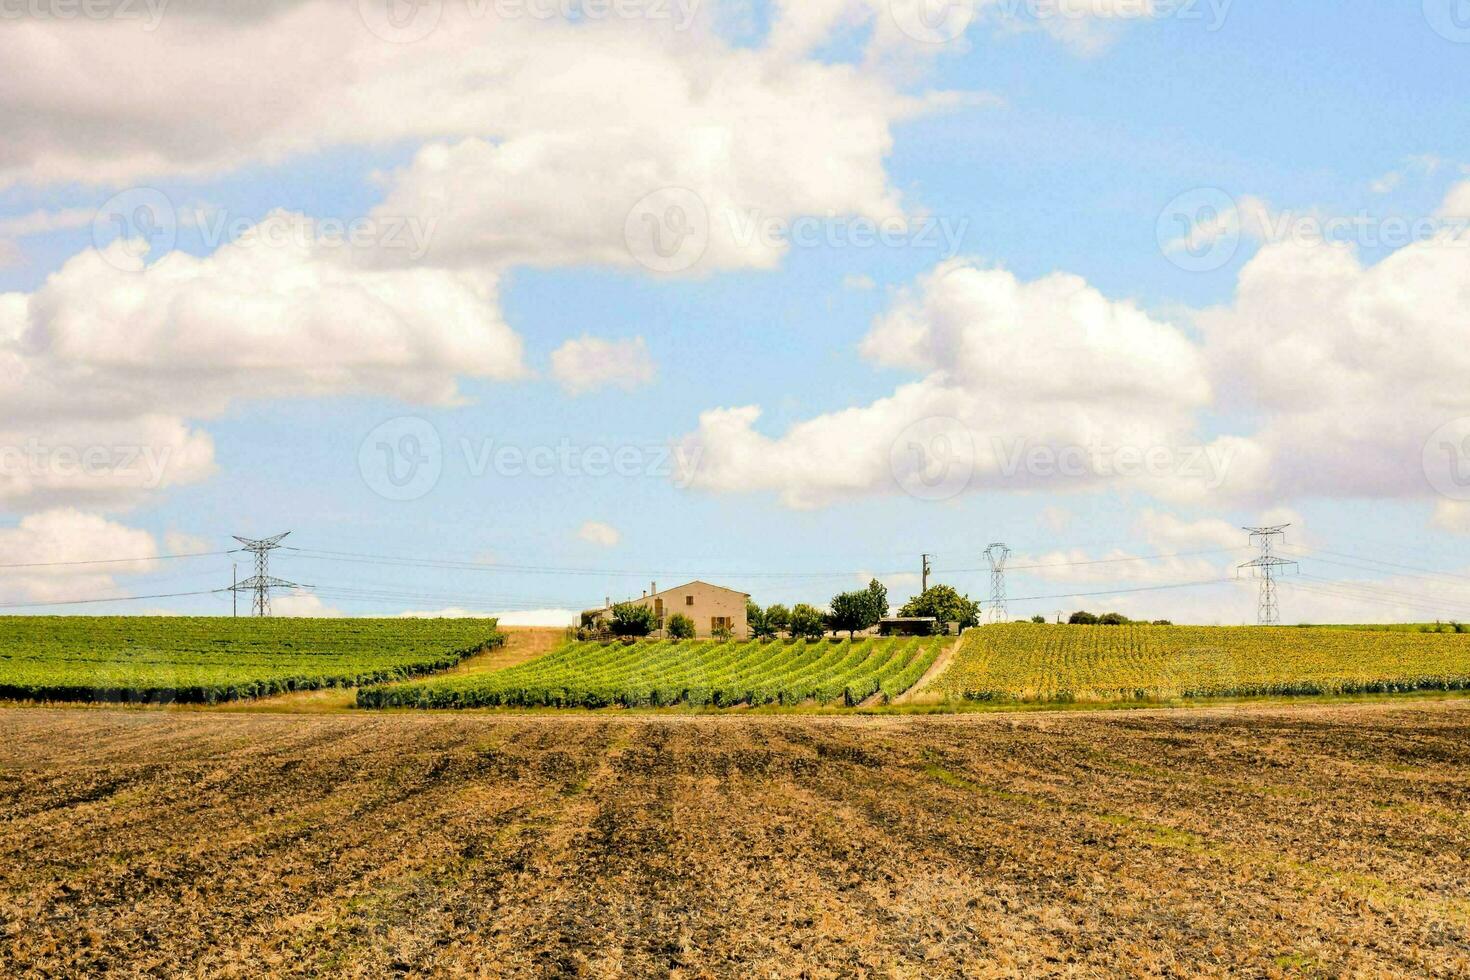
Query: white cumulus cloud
(600,534)
(588,363)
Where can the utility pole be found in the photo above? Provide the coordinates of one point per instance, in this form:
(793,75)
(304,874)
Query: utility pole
(1268,610)
(261,582)
(925,576)
(997,554)
(235,589)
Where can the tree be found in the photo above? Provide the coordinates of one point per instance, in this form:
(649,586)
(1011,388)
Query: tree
(853,611)
(1038,619)
(758,621)
(681,627)
(1112,619)
(631,619)
(722,633)
(806,621)
(946,606)
(878,599)
(778,618)
(1082,618)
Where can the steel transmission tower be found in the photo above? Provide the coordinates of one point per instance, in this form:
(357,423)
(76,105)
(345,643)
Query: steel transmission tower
(261,582)
(997,554)
(1268,610)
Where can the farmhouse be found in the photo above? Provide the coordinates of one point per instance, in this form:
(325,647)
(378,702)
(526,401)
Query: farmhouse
(711,607)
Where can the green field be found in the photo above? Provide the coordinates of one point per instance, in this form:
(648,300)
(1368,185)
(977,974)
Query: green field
(206,660)
(1025,662)
(694,672)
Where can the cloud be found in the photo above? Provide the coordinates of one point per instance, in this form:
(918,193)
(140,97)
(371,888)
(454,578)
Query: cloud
(1050,385)
(1025,385)
(909,30)
(37,223)
(107,360)
(94,460)
(302,605)
(1383,350)
(1452,516)
(602,535)
(1457,204)
(1425,165)
(42,221)
(63,535)
(1056,519)
(590,363)
(859,284)
(182,543)
(540,143)
(538,138)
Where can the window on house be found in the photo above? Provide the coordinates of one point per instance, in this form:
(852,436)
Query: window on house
(689,600)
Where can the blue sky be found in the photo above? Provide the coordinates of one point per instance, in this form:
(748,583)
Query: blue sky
(1053,147)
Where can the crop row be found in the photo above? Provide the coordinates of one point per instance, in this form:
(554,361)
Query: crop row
(693,672)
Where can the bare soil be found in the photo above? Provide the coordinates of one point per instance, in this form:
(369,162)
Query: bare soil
(1258,841)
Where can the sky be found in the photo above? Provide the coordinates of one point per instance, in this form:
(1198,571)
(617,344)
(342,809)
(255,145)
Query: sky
(511,306)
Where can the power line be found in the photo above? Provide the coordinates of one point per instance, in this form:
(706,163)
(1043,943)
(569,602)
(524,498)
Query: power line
(465,565)
(1357,589)
(116,561)
(1397,603)
(119,598)
(1428,574)
(1100,561)
(1113,592)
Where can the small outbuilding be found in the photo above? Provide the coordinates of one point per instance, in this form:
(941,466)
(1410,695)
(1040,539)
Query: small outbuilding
(908,626)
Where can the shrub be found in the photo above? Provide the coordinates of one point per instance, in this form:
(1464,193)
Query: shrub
(1039,620)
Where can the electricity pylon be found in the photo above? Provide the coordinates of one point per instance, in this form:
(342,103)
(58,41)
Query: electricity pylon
(261,582)
(997,554)
(1268,610)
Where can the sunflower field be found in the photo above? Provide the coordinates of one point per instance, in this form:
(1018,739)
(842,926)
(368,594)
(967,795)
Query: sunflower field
(1056,663)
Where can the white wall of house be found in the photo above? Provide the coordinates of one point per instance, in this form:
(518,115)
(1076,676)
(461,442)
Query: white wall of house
(707,605)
